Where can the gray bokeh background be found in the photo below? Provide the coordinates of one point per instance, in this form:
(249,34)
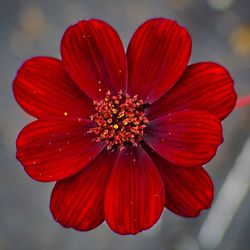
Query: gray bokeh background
(220,30)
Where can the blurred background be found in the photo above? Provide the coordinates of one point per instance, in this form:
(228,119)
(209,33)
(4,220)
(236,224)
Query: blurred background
(220,30)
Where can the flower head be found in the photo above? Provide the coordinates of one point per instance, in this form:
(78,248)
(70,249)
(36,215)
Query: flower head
(123,134)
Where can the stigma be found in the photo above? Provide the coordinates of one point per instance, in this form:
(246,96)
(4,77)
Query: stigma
(119,120)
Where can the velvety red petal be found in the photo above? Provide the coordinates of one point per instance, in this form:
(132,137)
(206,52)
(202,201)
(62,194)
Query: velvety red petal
(187,138)
(203,86)
(157,56)
(134,197)
(53,150)
(43,88)
(187,190)
(78,200)
(94,56)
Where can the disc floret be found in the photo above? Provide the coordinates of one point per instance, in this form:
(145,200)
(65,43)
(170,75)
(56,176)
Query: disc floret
(120,120)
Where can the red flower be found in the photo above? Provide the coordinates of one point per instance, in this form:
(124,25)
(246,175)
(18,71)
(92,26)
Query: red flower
(123,134)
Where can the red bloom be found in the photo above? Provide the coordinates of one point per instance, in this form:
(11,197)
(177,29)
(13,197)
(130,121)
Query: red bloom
(123,134)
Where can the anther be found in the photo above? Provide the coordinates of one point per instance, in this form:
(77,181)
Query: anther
(121,115)
(114,111)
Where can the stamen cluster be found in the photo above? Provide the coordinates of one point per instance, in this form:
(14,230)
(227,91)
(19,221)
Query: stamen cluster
(120,120)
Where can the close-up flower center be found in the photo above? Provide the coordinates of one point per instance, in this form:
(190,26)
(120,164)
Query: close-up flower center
(120,120)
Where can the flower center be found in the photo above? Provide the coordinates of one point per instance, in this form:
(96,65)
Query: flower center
(120,120)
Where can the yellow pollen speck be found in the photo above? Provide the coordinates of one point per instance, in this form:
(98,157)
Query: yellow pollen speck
(125,122)
(114,111)
(121,115)
(116,126)
(65,113)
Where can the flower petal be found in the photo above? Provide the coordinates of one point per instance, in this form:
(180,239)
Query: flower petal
(78,201)
(53,150)
(187,190)
(134,197)
(43,88)
(187,138)
(157,56)
(94,56)
(203,86)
